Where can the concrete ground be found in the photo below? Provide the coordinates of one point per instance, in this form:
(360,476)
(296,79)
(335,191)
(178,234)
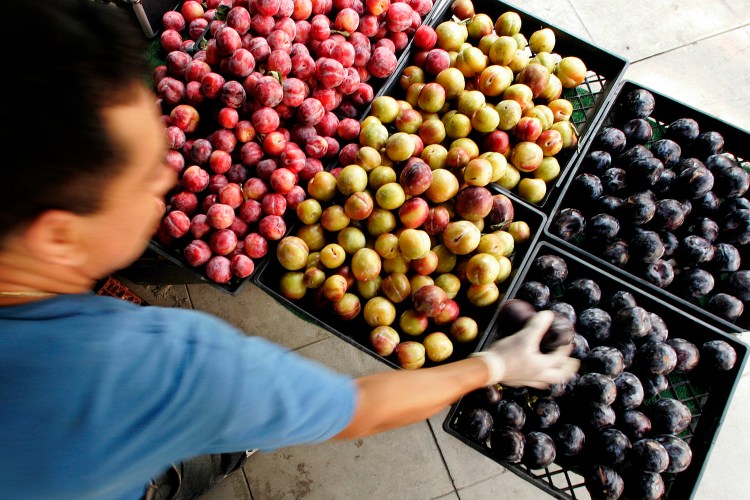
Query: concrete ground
(697,52)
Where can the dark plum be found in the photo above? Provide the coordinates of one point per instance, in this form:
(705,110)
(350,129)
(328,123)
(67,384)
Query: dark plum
(686,163)
(513,315)
(539,450)
(610,204)
(603,227)
(604,483)
(621,299)
(550,270)
(680,454)
(634,153)
(519,395)
(657,358)
(629,391)
(628,350)
(645,486)
(610,447)
(638,209)
(659,331)
(725,306)
(559,334)
(694,250)
(667,151)
(616,253)
(585,188)
(536,293)
(644,172)
(544,412)
(583,293)
(653,384)
(649,456)
(569,224)
(720,161)
(693,284)
(718,355)
(646,247)
(486,397)
(659,273)
(637,131)
(669,416)
(596,389)
(694,182)
(633,322)
(611,139)
(596,162)
(594,324)
(669,215)
(708,143)
(569,439)
(605,360)
(706,228)
(731,182)
(509,413)
(638,103)
(507,444)
(733,205)
(580,347)
(635,424)
(687,205)
(739,285)
(664,183)
(475,424)
(565,310)
(726,258)
(688,354)
(614,181)
(683,131)
(735,228)
(670,242)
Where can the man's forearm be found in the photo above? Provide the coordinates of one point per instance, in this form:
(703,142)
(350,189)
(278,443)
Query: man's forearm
(393,399)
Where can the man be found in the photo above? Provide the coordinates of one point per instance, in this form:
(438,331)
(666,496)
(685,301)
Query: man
(100,395)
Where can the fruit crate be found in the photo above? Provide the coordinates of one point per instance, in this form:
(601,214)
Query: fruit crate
(666,110)
(112,287)
(605,70)
(706,393)
(357,331)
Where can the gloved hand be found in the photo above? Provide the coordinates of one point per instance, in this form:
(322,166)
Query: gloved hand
(517,361)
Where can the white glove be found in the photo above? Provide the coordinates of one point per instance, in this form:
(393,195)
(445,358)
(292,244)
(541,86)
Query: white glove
(516,360)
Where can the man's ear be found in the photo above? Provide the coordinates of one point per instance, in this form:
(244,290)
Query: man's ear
(56,237)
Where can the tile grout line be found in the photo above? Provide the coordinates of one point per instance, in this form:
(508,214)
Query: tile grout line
(442,457)
(189,296)
(707,37)
(247,483)
(585,28)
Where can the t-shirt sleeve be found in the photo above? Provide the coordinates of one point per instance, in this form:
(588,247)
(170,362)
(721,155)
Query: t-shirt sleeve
(220,390)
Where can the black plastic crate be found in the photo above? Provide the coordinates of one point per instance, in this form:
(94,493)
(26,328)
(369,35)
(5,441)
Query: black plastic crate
(706,394)
(666,110)
(605,70)
(357,331)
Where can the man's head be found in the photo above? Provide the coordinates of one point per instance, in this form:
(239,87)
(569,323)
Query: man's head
(76,120)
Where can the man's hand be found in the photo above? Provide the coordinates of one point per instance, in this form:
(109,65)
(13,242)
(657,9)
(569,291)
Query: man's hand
(517,361)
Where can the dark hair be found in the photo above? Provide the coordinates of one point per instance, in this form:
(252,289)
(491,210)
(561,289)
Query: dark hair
(65,61)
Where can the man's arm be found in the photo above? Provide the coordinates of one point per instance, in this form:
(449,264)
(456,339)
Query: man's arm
(397,398)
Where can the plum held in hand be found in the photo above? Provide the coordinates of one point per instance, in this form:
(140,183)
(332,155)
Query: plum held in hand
(513,315)
(507,443)
(539,451)
(560,333)
(604,483)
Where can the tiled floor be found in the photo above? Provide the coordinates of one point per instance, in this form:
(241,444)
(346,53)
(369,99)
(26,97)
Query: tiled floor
(696,51)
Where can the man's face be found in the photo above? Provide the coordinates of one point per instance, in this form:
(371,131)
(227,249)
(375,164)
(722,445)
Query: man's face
(133,202)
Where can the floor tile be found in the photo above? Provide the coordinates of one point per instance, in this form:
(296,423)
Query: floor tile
(560,14)
(232,487)
(642,28)
(740,10)
(465,465)
(257,313)
(719,88)
(384,465)
(505,485)
(165,295)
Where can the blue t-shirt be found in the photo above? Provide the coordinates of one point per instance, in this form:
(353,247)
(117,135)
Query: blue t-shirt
(98,395)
